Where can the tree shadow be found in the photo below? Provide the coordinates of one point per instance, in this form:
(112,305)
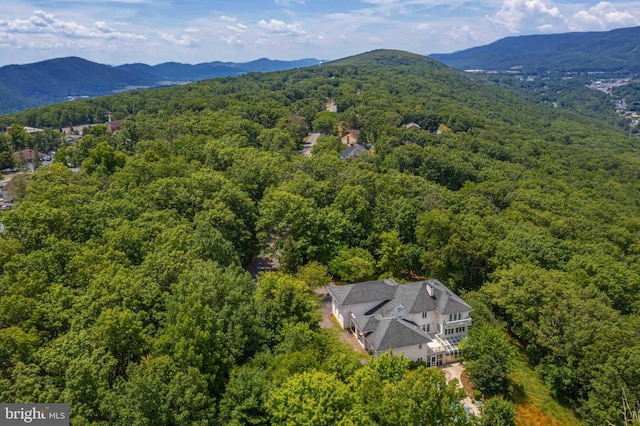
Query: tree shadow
(517,393)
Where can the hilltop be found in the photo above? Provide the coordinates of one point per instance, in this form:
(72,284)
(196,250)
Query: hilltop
(387,58)
(609,51)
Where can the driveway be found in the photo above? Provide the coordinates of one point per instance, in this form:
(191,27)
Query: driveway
(309,144)
(327,321)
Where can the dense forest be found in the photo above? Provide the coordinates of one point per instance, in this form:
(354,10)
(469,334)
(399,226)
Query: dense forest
(124,291)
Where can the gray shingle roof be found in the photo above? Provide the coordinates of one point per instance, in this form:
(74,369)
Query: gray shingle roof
(396,333)
(366,324)
(415,298)
(369,291)
(403,299)
(353,151)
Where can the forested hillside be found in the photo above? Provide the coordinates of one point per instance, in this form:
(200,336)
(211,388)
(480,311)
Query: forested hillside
(58,80)
(123,286)
(606,51)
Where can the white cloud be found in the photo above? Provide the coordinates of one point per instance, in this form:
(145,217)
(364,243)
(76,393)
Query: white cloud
(184,41)
(603,16)
(382,2)
(528,15)
(44,23)
(288,3)
(275,26)
(239,28)
(232,40)
(225,18)
(9,41)
(103,27)
(463,33)
(42,19)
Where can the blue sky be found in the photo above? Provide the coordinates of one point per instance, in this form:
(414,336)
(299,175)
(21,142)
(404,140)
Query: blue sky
(194,31)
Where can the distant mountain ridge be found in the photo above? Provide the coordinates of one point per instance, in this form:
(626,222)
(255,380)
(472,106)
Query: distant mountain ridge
(55,80)
(609,51)
(179,72)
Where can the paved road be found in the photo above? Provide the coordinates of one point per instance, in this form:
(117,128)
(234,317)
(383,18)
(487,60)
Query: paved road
(308,144)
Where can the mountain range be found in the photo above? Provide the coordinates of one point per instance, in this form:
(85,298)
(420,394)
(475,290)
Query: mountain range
(57,80)
(610,51)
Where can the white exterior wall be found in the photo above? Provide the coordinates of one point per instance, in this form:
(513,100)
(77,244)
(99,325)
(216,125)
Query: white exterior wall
(337,312)
(464,322)
(343,314)
(433,318)
(412,352)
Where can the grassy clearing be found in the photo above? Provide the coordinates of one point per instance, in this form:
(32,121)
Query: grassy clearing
(535,406)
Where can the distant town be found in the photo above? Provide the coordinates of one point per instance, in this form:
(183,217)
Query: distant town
(629,109)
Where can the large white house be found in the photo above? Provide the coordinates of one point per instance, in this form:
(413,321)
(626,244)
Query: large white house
(424,320)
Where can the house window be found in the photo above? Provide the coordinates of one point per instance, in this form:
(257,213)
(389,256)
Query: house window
(419,359)
(420,346)
(428,328)
(424,314)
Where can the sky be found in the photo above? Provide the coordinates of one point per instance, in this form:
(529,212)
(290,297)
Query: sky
(194,31)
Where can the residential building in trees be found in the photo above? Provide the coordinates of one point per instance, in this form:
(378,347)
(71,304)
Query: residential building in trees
(424,320)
